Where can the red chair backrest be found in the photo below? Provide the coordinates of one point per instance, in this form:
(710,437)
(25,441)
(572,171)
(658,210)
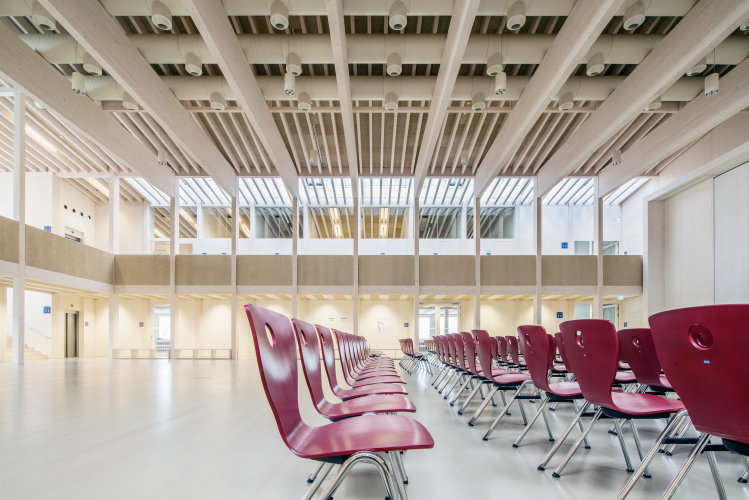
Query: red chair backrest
(273,336)
(637,347)
(704,353)
(513,350)
(328,354)
(469,347)
(309,351)
(502,349)
(592,350)
(539,354)
(560,347)
(484,347)
(451,349)
(459,351)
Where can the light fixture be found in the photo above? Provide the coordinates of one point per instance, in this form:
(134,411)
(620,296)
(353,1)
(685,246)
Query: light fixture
(304,102)
(500,83)
(289,84)
(712,84)
(90,65)
(279,15)
(616,157)
(161,16)
(566,101)
(218,102)
(79,83)
(744,27)
(478,101)
(465,158)
(193,64)
(128,102)
(654,105)
(391,101)
(314,158)
(42,18)
(634,16)
(161,157)
(394,64)
(594,66)
(293,64)
(697,68)
(397,15)
(516,16)
(494,64)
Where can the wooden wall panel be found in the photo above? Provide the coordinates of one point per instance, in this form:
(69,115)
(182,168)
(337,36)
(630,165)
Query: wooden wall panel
(622,270)
(141,270)
(208,270)
(447,270)
(8,240)
(325,270)
(270,270)
(568,270)
(386,270)
(508,270)
(55,253)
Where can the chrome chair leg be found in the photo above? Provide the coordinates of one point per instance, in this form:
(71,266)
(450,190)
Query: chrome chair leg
(638,444)
(564,436)
(483,406)
(670,448)
(504,410)
(580,425)
(460,391)
(317,482)
(568,457)
(625,451)
(395,470)
(470,397)
(533,421)
(313,476)
(676,481)
(401,467)
(362,456)
(716,475)
(745,476)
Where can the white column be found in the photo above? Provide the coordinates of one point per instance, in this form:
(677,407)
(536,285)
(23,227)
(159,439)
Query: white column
(19,212)
(234,239)
(538,232)
(415,219)
(173,250)
(199,221)
(653,259)
(294,255)
(598,233)
(113,321)
(477,261)
(356,235)
(114,214)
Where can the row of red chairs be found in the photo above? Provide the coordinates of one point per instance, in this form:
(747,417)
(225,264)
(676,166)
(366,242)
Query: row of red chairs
(411,359)
(361,429)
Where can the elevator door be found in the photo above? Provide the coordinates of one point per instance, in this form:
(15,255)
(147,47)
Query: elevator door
(71,334)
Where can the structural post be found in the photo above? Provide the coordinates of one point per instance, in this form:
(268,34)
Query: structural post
(19,212)
(234,238)
(173,250)
(113,321)
(538,235)
(416,219)
(294,255)
(477,263)
(356,235)
(598,232)
(114,214)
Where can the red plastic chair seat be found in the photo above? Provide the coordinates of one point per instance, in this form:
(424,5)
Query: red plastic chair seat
(559,367)
(366,404)
(565,389)
(368,390)
(375,373)
(625,377)
(496,372)
(377,381)
(644,404)
(368,432)
(511,378)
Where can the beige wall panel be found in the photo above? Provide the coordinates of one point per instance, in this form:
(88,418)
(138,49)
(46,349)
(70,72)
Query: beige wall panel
(141,270)
(55,253)
(264,270)
(8,240)
(203,270)
(508,270)
(325,270)
(386,270)
(622,270)
(447,270)
(568,270)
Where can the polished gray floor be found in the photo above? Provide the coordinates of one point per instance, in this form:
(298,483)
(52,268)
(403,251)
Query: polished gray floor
(139,429)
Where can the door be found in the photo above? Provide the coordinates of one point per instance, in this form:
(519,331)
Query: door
(161,329)
(71,334)
(611,313)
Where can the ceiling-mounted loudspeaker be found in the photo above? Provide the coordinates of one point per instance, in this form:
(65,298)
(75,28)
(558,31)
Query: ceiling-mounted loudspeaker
(304,102)
(566,102)
(654,105)
(218,102)
(289,84)
(128,102)
(465,158)
(697,68)
(594,66)
(634,16)
(279,15)
(394,64)
(516,16)
(712,84)
(193,64)
(293,64)
(314,158)
(500,83)
(42,18)
(397,15)
(494,64)
(478,101)
(79,83)
(744,26)
(391,101)
(161,157)
(161,16)
(616,157)
(90,65)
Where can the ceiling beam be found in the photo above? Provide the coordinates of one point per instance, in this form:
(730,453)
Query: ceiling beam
(461,23)
(213,23)
(22,67)
(101,36)
(340,56)
(692,122)
(709,22)
(578,34)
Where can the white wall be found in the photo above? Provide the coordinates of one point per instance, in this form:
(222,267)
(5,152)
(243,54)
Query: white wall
(633,219)
(731,245)
(393,312)
(577,223)
(130,334)
(38,331)
(134,228)
(66,194)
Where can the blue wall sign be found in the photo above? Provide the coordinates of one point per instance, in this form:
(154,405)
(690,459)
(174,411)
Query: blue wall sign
(405,325)
(560,315)
(565,244)
(140,324)
(48,229)
(47,309)
(625,324)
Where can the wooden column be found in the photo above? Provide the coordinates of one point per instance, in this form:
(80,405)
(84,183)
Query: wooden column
(173,251)
(19,213)
(356,235)
(234,239)
(598,233)
(538,235)
(477,264)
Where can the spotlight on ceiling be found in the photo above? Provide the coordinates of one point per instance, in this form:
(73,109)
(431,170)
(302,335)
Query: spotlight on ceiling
(500,83)
(566,101)
(279,15)
(90,65)
(616,157)
(712,84)
(304,102)
(594,66)
(314,158)
(161,16)
(161,157)
(79,83)
(218,102)
(634,16)
(293,64)
(42,18)
(397,15)
(494,64)
(654,105)
(516,16)
(744,27)
(193,64)
(394,64)
(391,101)
(128,102)
(465,158)
(289,84)
(478,101)
(697,68)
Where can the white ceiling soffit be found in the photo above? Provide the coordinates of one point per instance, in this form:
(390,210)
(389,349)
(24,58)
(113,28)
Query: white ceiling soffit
(571,191)
(102,37)
(508,191)
(385,191)
(709,22)
(618,196)
(446,191)
(152,194)
(326,191)
(263,191)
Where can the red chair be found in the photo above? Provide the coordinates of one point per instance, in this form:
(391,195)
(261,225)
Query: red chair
(592,350)
(502,351)
(351,373)
(513,352)
(477,369)
(703,351)
(637,347)
(469,354)
(443,358)
(346,442)
(326,339)
(460,363)
(309,350)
